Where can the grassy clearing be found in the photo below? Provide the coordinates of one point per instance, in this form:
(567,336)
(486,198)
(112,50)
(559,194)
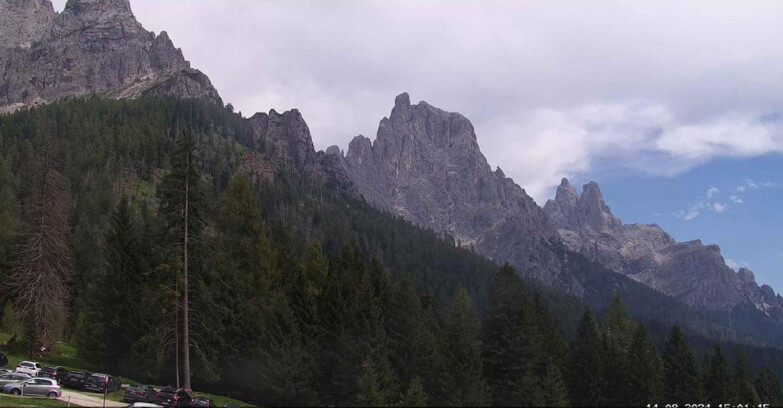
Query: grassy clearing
(11,401)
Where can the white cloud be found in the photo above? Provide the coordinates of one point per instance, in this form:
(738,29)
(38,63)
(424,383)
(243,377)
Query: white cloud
(692,214)
(554,88)
(719,207)
(736,199)
(548,144)
(752,185)
(732,264)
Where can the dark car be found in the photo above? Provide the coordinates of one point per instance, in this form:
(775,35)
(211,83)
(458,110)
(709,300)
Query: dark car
(75,379)
(174,397)
(55,373)
(102,383)
(3,360)
(202,402)
(140,393)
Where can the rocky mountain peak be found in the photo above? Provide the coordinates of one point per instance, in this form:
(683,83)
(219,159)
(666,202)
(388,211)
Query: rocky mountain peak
(114,7)
(402,101)
(92,47)
(288,138)
(593,209)
(23,22)
(426,166)
(566,196)
(746,275)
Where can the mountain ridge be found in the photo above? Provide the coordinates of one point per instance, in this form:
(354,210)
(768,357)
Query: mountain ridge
(413,170)
(91,47)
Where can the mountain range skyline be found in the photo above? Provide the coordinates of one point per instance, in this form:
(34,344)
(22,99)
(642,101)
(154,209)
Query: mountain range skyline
(658,138)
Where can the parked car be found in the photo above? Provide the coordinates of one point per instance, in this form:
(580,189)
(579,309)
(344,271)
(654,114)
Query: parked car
(174,397)
(34,386)
(13,377)
(202,402)
(56,373)
(102,383)
(144,405)
(140,393)
(29,367)
(75,379)
(6,370)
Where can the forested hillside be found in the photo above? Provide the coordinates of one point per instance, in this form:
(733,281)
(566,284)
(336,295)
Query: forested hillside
(300,294)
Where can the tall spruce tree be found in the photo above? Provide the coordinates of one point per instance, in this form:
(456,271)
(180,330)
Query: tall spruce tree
(114,320)
(618,335)
(183,204)
(682,382)
(42,254)
(743,389)
(768,387)
(586,384)
(512,343)
(412,342)
(718,383)
(415,397)
(646,371)
(465,384)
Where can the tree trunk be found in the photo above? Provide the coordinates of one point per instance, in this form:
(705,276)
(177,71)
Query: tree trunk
(185,317)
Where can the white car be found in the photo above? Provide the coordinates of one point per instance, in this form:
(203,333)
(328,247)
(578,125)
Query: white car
(29,367)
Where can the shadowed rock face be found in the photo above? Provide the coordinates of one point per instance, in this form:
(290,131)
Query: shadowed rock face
(285,138)
(426,166)
(93,46)
(690,271)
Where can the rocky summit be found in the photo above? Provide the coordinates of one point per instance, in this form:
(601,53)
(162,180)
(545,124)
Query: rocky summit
(426,166)
(690,271)
(92,47)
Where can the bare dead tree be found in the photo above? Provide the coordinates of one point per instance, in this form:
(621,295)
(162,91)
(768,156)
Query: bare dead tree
(37,280)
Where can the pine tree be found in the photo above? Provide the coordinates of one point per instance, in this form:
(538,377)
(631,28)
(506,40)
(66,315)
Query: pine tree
(512,343)
(617,338)
(646,370)
(555,392)
(42,255)
(585,379)
(465,385)
(718,383)
(114,319)
(412,343)
(370,393)
(743,389)
(183,203)
(285,367)
(768,387)
(681,371)
(9,214)
(415,397)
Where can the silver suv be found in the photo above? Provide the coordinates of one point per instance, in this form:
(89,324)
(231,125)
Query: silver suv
(35,386)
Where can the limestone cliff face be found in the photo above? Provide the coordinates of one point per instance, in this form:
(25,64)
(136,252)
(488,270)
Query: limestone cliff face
(286,142)
(23,22)
(426,166)
(92,47)
(690,271)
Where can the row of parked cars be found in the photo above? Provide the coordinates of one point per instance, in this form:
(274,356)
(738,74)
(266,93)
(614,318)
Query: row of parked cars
(33,378)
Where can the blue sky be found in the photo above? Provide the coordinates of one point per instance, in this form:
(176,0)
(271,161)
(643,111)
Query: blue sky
(733,203)
(659,102)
